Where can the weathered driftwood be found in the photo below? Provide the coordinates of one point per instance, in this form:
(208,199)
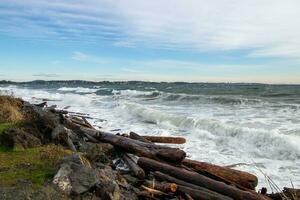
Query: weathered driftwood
(287,193)
(185,196)
(136,136)
(164,187)
(165,139)
(137,170)
(137,147)
(198,179)
(53,110)
(154,191)
(196,189)
(200,194)
(146,195)
(81,123)
(232,176)
(87,123)
(157,139)
(44,104)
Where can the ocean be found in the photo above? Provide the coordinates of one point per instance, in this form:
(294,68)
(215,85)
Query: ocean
(256,126)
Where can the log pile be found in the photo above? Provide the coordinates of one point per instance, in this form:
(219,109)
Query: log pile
(165,172)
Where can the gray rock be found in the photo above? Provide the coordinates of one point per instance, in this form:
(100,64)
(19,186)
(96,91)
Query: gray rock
(42,120)
(64,136)
(98,152)
(74,176)
(113,186)
(108,188)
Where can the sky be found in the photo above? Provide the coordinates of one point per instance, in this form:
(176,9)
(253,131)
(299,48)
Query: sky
(157,40)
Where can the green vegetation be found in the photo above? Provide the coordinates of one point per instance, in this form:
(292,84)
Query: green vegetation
(4,126)
(35,164)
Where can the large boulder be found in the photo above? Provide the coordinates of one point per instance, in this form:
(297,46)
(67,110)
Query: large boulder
(98,152)
(108,188)
(75,175)
(64,136)
(17,138)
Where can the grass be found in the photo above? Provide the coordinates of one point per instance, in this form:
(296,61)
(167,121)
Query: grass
(4,126)
(35,164)
(10,109)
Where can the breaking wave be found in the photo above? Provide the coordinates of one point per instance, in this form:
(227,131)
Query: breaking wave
(77,90)
(250,140)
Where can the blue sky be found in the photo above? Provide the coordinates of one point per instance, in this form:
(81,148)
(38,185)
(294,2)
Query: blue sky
(170,40)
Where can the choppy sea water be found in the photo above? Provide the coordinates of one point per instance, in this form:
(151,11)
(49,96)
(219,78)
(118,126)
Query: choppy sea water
(253,124)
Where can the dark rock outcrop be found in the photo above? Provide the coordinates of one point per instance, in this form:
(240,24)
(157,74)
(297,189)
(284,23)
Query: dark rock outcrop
(17,138)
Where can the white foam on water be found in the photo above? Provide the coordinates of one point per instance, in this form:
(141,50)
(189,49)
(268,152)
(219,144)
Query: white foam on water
(264,136)
(78,89)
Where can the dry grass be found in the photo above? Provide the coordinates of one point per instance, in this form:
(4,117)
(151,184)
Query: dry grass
(10,109)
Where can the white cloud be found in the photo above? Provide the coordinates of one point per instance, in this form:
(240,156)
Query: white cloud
(264,28)
(79,56)
(83,57)
(130,70)
(46,75)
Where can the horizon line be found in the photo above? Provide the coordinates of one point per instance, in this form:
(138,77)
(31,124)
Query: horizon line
(123,81)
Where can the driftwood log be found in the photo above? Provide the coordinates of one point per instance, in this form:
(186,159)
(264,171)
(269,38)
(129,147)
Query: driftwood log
(198,179)
(137,170)
(146,195)
(165,139)
(195,190)
(133,146)
(287,193)
(200,194)
(164,187)
(157,139)
(136,136)
(235,177)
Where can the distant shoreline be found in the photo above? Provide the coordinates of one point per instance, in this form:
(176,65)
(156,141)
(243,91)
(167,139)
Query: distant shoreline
(6,82)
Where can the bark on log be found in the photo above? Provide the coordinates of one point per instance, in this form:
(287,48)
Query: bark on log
(136,136)
(287,193)
(164,187)
(137,147)
(200,194)
(157,139)
(201,190)
(146,195)
(236,177)
(198,179)
(80,123)
(87,122)
(137,170)
(154,191)
(165,139)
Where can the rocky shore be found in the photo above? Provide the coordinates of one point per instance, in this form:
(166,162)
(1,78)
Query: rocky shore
(46,153)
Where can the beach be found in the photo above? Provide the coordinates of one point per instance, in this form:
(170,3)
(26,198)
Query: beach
(255,126)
